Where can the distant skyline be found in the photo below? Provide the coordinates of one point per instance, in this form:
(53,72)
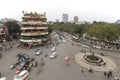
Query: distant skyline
(86,10)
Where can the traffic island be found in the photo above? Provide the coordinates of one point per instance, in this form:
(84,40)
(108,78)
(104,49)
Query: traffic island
(95,61)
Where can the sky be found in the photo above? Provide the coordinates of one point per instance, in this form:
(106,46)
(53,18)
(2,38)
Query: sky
(86,10)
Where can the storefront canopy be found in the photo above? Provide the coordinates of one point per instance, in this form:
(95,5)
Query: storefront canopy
(38,40)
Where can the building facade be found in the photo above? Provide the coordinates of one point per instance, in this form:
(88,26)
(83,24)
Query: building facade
(65,18)
(76,19)
(34,30)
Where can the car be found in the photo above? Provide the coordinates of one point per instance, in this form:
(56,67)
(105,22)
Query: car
(53,55)
(21,65)
(26,56)
(19,55)
(86,46)
(38,52)
(3,78)
(23,55)
(64,41)
(23,75)
(53,49)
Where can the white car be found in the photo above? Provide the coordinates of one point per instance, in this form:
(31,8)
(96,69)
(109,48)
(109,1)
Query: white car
(3,78)
(53,49)
(53,55)
(64,41)
(86,46)
(22,75)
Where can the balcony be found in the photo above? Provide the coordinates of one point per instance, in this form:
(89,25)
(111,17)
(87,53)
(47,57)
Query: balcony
(31,28)
(34,33)
(33,17)
(34,23)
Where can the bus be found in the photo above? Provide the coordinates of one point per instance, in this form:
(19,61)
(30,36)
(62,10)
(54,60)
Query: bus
(75,39)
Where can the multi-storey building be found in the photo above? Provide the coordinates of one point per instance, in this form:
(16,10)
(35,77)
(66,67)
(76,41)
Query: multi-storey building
(34,29)
(65,18)
(76,19)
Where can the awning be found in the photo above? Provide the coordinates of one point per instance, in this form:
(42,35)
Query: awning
(38,40)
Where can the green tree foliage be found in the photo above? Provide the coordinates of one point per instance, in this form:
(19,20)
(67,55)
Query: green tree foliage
(13,28)
(70,28)
(104,32)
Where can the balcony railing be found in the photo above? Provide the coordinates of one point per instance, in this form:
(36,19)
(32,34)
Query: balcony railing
(33,17)
(34,33)
(33,23)
(35,28)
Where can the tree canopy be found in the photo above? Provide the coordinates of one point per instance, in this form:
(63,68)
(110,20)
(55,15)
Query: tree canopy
(70,28)
(13,28)
(104,32)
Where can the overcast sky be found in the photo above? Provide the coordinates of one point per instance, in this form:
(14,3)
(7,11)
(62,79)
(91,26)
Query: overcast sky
(86,10)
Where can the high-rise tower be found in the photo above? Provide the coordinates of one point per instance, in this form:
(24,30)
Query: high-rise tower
(65,18)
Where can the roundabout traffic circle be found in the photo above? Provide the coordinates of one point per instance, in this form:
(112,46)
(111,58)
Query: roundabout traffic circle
(95,61)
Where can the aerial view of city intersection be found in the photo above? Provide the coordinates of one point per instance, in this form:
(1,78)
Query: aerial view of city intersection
(60,40)
(64,59)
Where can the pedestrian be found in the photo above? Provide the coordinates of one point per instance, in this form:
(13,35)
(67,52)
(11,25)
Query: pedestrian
(102,54)
(110,72)
(90,69)
(0,55)
(32,64)
(82,70)
(81,50)
(104,63)
(84,51)
(90,51)
(108,75)
(105,74)
(41,63)
(73,58)
(32,59)
(46,55)
(36,64)
(11,46)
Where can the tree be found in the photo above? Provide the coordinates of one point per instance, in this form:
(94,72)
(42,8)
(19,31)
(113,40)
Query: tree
(13,28)
(104,32)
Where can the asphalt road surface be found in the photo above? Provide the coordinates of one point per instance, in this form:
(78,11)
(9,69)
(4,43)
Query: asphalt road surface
(55,69)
